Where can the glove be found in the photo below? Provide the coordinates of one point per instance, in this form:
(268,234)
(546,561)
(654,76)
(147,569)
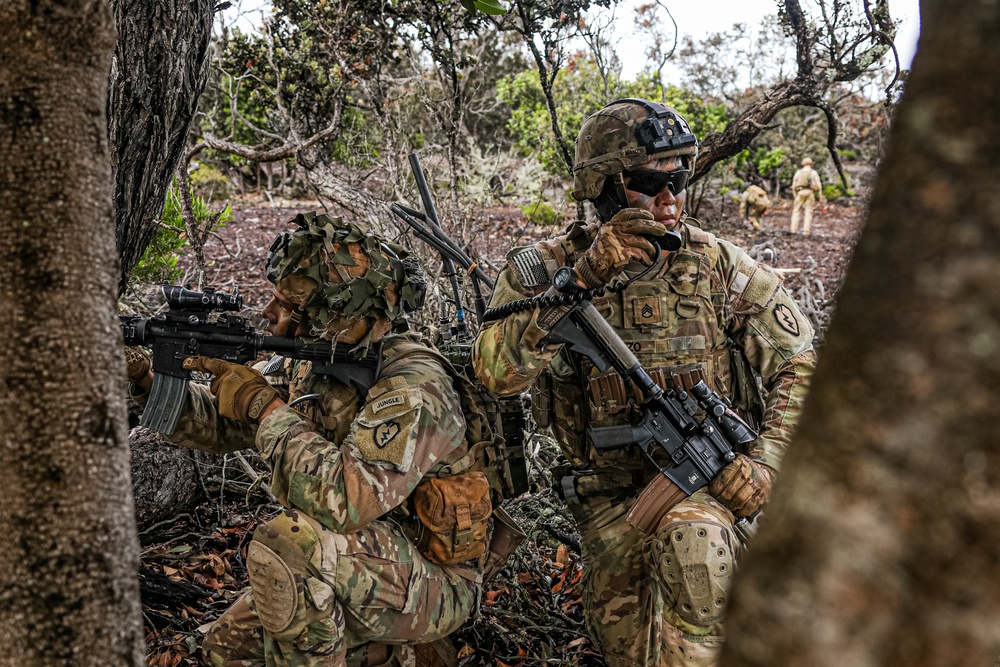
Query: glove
(743,486)
(617,243)
(137,363)
(241,393)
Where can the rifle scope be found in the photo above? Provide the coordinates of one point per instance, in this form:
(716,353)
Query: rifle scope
(181,298)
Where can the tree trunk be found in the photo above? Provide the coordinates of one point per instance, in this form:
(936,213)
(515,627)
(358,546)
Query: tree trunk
(68,589)
(882,543)
(158,73)
(366,208)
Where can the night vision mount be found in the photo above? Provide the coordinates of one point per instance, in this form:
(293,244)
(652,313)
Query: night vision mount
(664,130)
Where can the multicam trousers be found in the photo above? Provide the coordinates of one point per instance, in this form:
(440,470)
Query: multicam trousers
(647,603)
(324,599)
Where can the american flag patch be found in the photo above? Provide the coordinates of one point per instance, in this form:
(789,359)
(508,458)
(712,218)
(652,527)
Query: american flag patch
(529,267)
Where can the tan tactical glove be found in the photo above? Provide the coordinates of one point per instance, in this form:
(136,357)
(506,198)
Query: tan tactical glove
(241,393)
(137,364)
(743,486)
(617,243)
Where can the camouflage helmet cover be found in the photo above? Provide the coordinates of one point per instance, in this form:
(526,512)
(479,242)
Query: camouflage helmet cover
(807,162)
(332,269)
(623,135)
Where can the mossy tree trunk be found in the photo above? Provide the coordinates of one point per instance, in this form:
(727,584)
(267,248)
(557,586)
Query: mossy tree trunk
(882,542)
(68,588)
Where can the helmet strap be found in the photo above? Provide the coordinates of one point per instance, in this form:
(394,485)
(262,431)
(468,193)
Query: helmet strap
(293,321)
(612,198)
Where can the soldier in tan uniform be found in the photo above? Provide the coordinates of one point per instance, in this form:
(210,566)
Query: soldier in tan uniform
(806,187)
(340,575)
(656,587)
(754,203)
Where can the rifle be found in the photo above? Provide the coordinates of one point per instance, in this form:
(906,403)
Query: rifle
(692,451)
(187,330)
(506,413)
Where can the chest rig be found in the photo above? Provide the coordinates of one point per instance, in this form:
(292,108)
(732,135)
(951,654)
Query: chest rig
(674,320)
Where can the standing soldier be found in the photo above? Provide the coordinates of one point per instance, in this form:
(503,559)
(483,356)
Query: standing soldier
(341,574)
(806,186)
(754,203)
(657,584)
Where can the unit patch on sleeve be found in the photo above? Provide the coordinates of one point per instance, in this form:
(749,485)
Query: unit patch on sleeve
(786,319)
(388,440)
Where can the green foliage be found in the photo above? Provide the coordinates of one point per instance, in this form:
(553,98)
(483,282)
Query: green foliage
(578,91)
(159,262)
(492,7)
(768,159)
(540,213)
(210,183)
(836,190)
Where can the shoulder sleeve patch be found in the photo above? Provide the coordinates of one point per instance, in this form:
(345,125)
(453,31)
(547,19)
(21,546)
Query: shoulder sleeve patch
(529,267)
(385,426)
(785,328)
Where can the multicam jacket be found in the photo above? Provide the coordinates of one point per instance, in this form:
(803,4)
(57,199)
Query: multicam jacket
(707,311)
(349,457)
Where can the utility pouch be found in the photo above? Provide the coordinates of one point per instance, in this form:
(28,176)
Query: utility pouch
(507,537)
(454,514)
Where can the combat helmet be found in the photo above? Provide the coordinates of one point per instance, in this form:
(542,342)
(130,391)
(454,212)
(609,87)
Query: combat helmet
(334,271)
(626,134)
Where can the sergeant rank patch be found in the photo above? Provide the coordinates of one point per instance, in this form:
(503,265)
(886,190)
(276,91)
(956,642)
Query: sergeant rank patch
(785,318)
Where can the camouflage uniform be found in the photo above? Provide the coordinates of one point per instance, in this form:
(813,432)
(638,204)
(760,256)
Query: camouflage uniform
(706,311)
(806,186)
(336,578)
(754,202)
(338,569)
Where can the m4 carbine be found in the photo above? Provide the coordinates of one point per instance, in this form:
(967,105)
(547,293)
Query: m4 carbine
(189,329)
(689,437)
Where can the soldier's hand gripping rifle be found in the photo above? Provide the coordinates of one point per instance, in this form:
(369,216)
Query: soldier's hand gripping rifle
(188,329)
(688,451)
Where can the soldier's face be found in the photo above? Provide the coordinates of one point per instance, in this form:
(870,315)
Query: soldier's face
(665,205)
(278,313)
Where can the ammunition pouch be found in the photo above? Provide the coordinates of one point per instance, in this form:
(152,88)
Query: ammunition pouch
(609,395)
(454,514)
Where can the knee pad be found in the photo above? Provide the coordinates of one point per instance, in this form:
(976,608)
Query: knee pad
(292,601)
(694,561)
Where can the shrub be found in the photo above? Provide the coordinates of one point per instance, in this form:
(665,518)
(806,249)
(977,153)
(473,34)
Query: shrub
(540,213)
(159,262)
(209,183)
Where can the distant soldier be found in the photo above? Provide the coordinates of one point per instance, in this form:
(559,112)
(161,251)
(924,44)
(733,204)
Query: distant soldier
(754,202)
(806,186)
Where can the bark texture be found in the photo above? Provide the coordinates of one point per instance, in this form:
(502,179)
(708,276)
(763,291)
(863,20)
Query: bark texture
(164,478)
(158,74)
(882,542)
(68,590)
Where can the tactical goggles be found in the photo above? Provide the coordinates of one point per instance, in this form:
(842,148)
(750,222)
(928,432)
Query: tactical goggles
(652,183)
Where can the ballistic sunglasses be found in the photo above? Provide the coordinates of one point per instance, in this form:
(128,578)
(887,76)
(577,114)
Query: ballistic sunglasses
(652,183)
